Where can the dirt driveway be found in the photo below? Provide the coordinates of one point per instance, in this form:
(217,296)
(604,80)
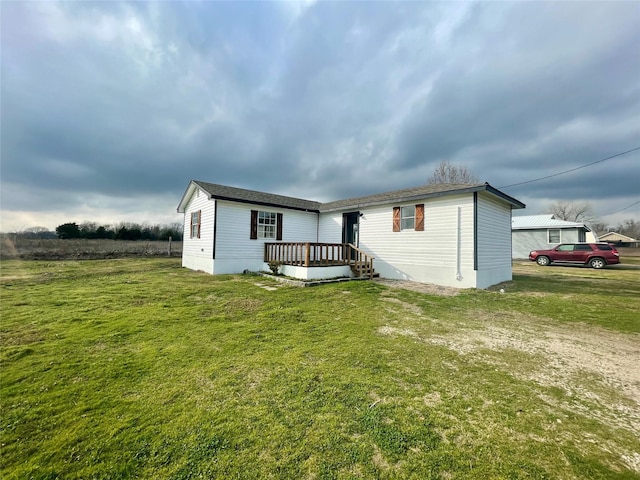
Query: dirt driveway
(594,366)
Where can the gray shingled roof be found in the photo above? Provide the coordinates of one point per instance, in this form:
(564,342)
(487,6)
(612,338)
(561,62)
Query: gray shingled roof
(224,192)
(405,195)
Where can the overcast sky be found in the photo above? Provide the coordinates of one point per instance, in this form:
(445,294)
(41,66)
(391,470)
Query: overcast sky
(108,109)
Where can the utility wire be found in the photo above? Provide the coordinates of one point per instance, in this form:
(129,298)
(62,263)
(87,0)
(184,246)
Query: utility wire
(618,211)
(572,170)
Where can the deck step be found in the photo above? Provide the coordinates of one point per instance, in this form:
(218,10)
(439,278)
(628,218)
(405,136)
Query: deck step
(364,273)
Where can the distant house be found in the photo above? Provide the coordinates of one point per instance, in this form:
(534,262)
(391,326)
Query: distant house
(455,235)
(619,239)
(531,232)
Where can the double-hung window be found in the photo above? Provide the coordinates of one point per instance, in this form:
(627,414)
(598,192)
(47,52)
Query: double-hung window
(554,235)
(266,225)
(267,222)
(196,218)
(408,217)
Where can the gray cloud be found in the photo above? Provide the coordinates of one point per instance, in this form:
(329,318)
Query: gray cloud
(128,101)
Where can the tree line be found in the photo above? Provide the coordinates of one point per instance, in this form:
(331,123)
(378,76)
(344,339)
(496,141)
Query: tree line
(629,227)
(121,231)
(583,212)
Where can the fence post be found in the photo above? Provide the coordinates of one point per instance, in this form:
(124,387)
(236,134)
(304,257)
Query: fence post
(307,255)
(169,246)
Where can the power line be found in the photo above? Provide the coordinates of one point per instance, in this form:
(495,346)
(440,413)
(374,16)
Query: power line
(572,169)
(622,209)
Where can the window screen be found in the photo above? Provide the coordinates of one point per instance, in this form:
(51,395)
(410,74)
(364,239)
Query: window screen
(408,217)
(554,235)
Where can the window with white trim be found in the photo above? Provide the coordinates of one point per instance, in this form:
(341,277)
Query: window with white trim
(267,224)
(195,224)
(553,235)
(408,217)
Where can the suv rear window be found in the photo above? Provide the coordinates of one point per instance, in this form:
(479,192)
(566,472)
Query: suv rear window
(604,246)
(583,247)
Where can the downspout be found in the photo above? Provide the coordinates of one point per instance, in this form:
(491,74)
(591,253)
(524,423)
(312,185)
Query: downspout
(215,227)
(475,231)
(459,246)
(511,232)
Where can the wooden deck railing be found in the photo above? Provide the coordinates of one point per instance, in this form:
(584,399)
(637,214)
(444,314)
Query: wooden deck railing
(361,263)
(307,254)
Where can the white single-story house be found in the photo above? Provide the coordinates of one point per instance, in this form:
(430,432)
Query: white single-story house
(448,234)
(537,232)
(619,239)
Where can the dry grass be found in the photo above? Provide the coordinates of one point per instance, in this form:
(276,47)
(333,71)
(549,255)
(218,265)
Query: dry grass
(83,249)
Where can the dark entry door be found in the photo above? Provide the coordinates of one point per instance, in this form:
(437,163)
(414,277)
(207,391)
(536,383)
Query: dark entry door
(350,227)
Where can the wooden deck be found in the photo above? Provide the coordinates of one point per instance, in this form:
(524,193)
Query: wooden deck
(320,255)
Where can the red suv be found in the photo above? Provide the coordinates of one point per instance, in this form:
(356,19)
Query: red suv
(595,255)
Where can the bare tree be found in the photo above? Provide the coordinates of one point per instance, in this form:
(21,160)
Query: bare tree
(572,211)
(630,228)
(447,173)
(599,226)
(38,232)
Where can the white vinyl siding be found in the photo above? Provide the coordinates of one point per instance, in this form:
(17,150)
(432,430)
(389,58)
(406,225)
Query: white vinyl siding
(524,241)
(553,236)
(197,253)
(330,227)
(432,255)
(493,242)
(235,251)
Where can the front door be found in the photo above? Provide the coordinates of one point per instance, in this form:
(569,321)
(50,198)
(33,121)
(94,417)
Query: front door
(350,228)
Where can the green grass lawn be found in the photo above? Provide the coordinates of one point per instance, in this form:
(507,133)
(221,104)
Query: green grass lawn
(137,368)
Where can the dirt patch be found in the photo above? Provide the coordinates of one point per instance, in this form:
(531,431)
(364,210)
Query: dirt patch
(591,365)
(432,399)
(378,459)
(243,304)
(393,331)
(428,288)
(21,338)
(266,287)
(612,356)
(407,306)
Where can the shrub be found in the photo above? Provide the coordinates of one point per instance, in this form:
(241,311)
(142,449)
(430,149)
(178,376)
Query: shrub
(274,266)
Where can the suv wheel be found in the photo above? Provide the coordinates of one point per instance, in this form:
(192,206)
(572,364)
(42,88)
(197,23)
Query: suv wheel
(597,263)
(543,261)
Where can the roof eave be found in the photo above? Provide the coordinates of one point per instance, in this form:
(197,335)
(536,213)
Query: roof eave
(504,196)
(217,196)
(264,204)
(186,195)
(552,227)
(408,198)
(411,198)
(193,184)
